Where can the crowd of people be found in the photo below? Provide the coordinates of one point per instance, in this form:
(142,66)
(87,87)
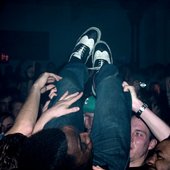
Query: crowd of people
(90,115)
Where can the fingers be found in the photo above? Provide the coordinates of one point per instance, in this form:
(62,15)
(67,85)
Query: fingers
(45,107)
(63,96)
(131,89)
(97,168)
(52,93)
(125,85)
(74,97)
(68,99)
(48,87)
(71,97)
(72,110)
(44,79)
(53,77)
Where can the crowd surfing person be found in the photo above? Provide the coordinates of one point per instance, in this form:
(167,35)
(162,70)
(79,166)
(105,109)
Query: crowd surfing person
(25,123)
(66,146)
(110,133)
(57,139)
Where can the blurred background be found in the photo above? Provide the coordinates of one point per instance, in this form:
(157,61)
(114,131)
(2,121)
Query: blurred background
(39,35)
(45,31)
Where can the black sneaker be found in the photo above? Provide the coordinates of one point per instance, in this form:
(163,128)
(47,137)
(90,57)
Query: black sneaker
(101,55)
(85,44)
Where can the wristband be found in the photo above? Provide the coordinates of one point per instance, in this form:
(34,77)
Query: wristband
(141,109)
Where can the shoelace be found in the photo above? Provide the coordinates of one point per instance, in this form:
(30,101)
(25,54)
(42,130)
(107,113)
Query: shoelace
(80,52)
(99,65)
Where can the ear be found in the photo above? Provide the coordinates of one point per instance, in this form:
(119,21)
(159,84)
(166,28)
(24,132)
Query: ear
(152,144)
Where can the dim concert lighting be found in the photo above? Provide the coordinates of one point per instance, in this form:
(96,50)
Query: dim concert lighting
(4,58)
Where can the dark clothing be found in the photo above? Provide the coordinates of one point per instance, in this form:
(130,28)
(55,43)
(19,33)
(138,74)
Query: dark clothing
(9,150)
(111,127)
(74,76)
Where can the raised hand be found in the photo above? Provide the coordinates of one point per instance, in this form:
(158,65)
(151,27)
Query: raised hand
(136,103)
(53,92)
(62,107)
(97,168)
(43,83)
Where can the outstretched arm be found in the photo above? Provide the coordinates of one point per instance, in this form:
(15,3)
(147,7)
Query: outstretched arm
(62,107)
(27,116)
(157,126)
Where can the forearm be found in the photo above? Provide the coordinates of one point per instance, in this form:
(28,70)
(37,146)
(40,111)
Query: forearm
(45,117)
(157,126)
(27,116)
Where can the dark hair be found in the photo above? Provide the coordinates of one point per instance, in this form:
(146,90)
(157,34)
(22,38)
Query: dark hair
(9,151)
(45,150)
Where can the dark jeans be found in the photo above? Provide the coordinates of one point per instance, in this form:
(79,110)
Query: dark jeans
(111,127)
(74,76)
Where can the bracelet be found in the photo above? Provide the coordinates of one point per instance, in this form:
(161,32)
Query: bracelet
(141,109)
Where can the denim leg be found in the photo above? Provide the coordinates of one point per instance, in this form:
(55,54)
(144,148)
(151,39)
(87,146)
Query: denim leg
(74,77)
(111,125)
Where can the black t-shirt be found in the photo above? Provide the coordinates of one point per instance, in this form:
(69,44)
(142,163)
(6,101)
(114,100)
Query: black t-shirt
(9,150)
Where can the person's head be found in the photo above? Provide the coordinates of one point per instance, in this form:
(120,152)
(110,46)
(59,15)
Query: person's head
(88,109)
(79,146)
(9,151)
(141,142)
(160,160)
(55,149)
(7,122)
(88,121)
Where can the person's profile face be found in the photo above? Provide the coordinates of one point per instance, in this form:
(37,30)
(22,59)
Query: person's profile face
(160,160)
(88,121)
(79,145)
